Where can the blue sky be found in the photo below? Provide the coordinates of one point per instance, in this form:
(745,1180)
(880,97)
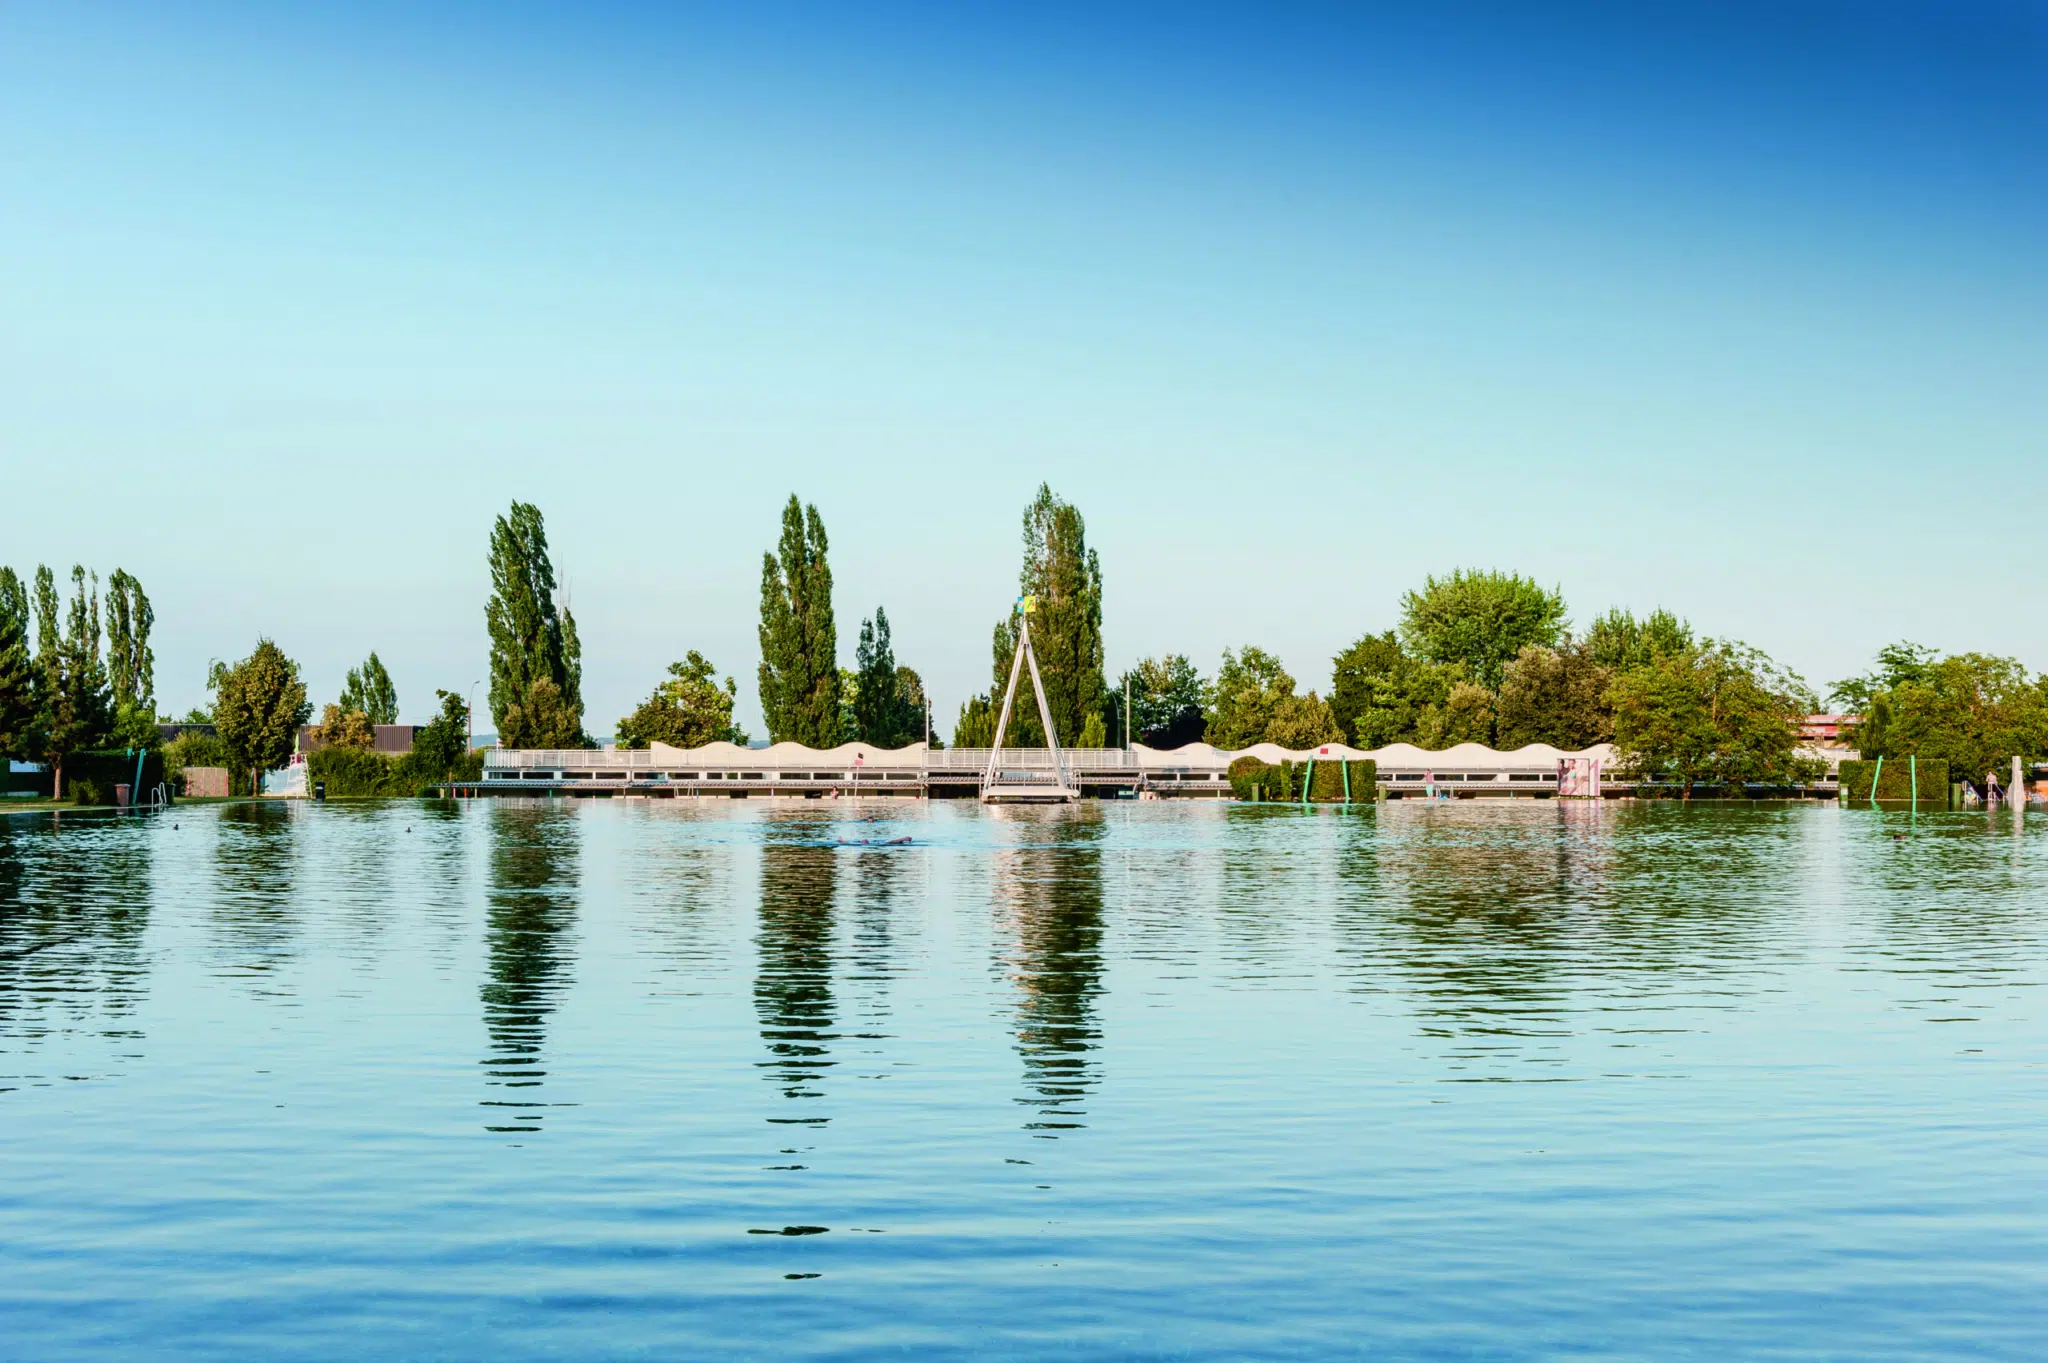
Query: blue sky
(1741,310)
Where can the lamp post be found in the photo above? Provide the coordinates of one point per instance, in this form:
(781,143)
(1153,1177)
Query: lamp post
(469,739)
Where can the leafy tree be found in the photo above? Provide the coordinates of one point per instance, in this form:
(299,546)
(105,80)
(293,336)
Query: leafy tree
(1897,665)
(1065,576)
(77,711)
(1381,694)
(911,687)
(884,713)
(688,710)
(341,728)
(1720,714)
(20,708)
(1480,620)
(131,663)
(1166,702)
(536,658)
(1303,722)
(1621,643)
(976,726)
(369,690)
(1364,678)
(259,704)
(1555,696)
(441,746)
(1974,711)
(1249,687)
(1465,715)
(799,677)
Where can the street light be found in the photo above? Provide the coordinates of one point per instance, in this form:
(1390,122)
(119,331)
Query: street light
(469,739)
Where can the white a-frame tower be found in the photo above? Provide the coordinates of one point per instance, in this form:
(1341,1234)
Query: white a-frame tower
(1019,780)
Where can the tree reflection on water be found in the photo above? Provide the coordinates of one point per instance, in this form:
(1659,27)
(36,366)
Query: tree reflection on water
(74,905)
(530,908)
(793,981)
(1049,881)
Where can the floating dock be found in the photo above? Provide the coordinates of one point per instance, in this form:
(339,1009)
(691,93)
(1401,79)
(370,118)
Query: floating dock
(1198,771)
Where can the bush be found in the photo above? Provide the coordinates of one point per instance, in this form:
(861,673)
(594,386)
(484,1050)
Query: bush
(359,772)
(194,749)
(1329,780)
(90,777)
(1896,781)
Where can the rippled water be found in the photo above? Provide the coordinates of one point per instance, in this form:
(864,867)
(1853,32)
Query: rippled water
(616,1079)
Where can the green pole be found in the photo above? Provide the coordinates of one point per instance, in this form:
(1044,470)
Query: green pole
(1913,770)
(1875,777)
(1347,785)
(1308,782)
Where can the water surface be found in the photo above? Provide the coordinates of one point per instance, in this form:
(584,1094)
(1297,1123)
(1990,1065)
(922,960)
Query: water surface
(618,1079)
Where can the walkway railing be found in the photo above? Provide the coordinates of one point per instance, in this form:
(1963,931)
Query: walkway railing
(1078,759)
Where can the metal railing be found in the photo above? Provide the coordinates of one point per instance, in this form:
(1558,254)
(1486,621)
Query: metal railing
(1035,759)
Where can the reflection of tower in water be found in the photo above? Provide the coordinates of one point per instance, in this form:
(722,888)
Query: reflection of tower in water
(1053,893)
(793,983)
(532,902)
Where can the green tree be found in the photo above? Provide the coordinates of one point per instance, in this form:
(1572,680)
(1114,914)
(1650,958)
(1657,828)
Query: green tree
(341,728)
(911,687)
(131,663)
(1897,665)
(368,690)
(1974,711)
(799,676)
(1480,620)
(976,726)
(1303,722)
(20,707)
(1381,694)
(1621,643)
(1465,715)
(441,747)
(1249,689)
(1556,696)
(883,713)
(688,710)
(77,710)
(1718,714)
(536,658)
(1065,576)
(259,704)
(1166,702)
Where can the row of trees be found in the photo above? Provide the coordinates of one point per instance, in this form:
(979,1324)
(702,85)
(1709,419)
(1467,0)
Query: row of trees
(1972,710)
(806,697)
(89,681)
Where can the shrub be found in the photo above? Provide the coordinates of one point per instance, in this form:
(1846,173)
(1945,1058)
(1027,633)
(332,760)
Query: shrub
(1328,779)
(194,749)
(1251,779)
(90,777)
(1896,781)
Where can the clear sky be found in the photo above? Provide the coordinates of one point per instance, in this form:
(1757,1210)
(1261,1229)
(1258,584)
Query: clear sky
(1736,309)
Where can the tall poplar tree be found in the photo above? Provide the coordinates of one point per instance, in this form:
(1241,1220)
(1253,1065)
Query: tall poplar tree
(536,658)
(369,692)
(77,712)
(1066,630)
(799,676)
(884,712)
(19,705)
(131,663)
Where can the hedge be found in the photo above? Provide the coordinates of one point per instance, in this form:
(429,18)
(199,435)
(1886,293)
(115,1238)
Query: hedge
(1251,779)
(359,771)
(90,777)
(1896,781)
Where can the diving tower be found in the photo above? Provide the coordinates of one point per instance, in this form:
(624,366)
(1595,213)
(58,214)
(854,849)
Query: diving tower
(1024,775)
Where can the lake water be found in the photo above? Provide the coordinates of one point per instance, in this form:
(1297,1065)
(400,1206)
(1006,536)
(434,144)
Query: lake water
(612,1079)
